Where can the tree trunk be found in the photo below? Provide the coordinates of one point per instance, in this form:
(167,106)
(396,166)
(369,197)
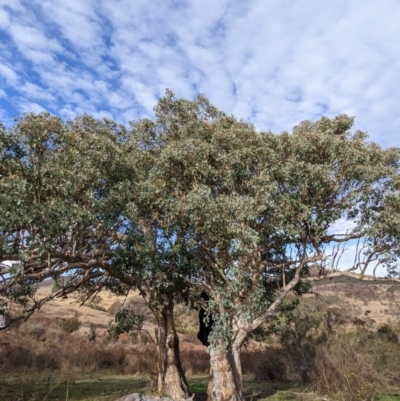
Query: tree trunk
(226,383)
(171,379)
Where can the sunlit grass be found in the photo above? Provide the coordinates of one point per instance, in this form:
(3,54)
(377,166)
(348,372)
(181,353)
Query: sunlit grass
(47,387)
(109,386)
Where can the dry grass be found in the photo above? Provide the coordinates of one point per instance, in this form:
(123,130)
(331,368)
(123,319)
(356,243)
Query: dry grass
(40,344)
(381,301)
(352,362)
(353,359)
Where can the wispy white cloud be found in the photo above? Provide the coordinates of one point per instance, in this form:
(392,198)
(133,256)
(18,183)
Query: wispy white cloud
(30,107)
(77,21)
(8,74)
(32,91)
(4,19)
(274,63)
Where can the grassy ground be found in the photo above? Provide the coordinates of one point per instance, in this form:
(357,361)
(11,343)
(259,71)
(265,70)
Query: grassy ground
(45,387)
(109,387)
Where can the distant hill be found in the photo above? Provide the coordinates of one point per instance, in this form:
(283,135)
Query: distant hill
(380,300)
(377,300)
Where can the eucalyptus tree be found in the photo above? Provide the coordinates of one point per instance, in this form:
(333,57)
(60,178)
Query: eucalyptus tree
(70,208)
(153,260)
(262,208)
(60,204)
(194,201)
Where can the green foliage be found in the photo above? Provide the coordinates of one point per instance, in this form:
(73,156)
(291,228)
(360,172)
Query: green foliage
(64,192)
(70,324)
(386,332)
(56,286)
(92,335)
(193,196)
(126,321)
(256,207)
(113,332)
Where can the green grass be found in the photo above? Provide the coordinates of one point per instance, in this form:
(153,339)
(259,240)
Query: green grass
(108,386)
(198,384)
(390,396)
(272,391)
(253,390)
(98,387)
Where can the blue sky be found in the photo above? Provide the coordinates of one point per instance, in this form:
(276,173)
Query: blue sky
(271,62)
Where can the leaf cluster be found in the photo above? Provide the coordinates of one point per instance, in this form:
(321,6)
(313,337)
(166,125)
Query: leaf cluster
(194,201)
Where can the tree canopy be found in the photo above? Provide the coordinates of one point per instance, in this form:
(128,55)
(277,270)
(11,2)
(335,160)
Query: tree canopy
(62,190)
(73,209)
(260,209)
(193,202)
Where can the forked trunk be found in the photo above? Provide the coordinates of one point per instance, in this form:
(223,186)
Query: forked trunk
(226,383)
(171,379)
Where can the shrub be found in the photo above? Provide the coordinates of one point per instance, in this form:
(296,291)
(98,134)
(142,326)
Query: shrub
(55,287)
(96,299)
(113,331)
(186,319)
(115,308)
(194,361)
(22,353)
(387,332)
(34,329)
(96,307)
(355,362)
(70,324)
(126,320)
(271,368)
(341,365)
(92,335)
